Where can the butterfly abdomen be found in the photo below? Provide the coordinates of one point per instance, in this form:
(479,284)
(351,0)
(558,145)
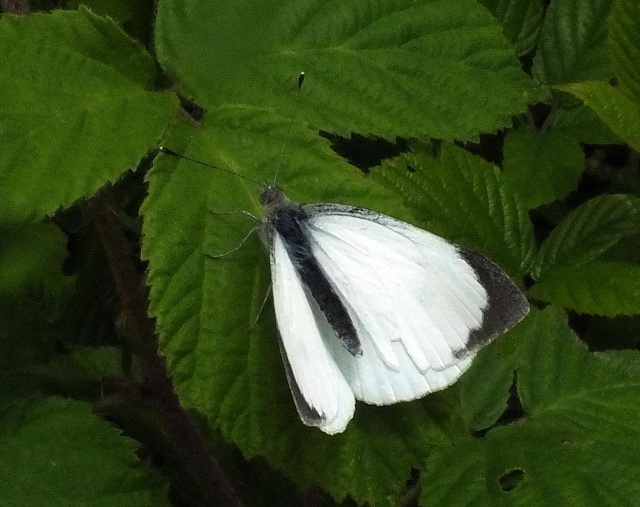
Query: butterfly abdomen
(287,220)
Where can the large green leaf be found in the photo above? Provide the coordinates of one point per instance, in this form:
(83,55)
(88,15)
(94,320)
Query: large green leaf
(230,369)
(576,443)
(542,166)
(572,42)
(412,68)
(588,231)
(56,452)
(463,197)
(599,288)
(76,110)
(521,21)
(624,45)
(616,109)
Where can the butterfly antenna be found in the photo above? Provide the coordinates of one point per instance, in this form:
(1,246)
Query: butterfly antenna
(167,151)
(286,137)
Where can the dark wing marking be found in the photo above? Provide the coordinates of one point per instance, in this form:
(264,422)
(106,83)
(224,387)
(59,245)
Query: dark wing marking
(287,222)
(506,307)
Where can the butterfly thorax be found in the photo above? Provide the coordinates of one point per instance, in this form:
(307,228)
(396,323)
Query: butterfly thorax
(284,216)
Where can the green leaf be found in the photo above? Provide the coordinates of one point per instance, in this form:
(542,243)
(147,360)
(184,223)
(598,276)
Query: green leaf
(542,167)
(76,112)
(584,125)
(118,10)
(464,198)
(56,452)
(589,231)
(572,42)
(226,367)
(521,21)
(33,292)
(78,373)
(576,443)
(619,112)
(624,45)
(484,389)
(608,289)
(31,255)
(407,68)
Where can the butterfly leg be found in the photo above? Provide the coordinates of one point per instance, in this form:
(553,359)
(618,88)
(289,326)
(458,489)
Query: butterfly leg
(235,249)
(264,302)
(241,211)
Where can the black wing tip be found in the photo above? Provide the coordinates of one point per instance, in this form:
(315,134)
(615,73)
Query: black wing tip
(507,304)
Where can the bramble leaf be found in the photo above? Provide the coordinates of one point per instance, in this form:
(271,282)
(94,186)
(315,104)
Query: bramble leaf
(584,125)
(230,370)
(56,452)
(598,288)
(619,112)
(588,231)
(391,69)
(521,21)
(77,111)
(624,45)
(572,42)
(464,198)
(575,443)
(542,167)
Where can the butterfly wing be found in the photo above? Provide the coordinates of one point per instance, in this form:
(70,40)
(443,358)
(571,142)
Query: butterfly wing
(421,305)
(321,394)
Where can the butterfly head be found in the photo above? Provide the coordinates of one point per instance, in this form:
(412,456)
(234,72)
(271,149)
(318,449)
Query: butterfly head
(272,197)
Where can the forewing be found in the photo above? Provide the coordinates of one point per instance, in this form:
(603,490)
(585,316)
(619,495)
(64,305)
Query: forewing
(320,391)
(420,304)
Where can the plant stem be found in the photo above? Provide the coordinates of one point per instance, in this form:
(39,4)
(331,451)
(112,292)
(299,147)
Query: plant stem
(123,262)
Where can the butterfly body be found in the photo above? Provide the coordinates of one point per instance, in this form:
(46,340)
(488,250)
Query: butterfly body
(286,218)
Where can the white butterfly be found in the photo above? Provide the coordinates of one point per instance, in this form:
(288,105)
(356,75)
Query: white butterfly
(372,308)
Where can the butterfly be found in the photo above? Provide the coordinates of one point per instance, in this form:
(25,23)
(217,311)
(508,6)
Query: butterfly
(374,309)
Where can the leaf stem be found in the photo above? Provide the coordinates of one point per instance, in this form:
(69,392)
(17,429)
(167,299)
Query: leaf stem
(194,452)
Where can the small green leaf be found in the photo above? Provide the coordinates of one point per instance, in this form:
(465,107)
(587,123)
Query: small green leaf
(77,111)
(78,373)
(576,443)
(118,10)
(624,45)
(33,292)
(31,256)
(542,167)
(572,42)
(56,452)
(484,389)
(407,68)
(464,198)
(619,112)
(583,124)
(521,21)
(597,288)
(588,231)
